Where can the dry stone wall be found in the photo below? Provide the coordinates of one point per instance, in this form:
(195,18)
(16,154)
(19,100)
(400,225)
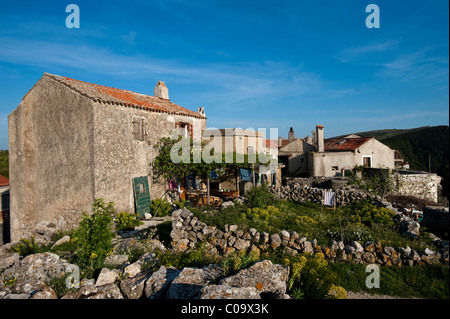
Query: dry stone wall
(188,230)
(304,193)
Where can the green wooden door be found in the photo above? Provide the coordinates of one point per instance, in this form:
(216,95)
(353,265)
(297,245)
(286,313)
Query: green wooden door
(141,195)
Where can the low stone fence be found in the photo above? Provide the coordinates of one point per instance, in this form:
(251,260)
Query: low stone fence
(304,193)
(188,230)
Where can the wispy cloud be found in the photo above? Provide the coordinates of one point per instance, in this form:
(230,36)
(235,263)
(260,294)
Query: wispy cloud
(350,54)
(231,82)
(420,67)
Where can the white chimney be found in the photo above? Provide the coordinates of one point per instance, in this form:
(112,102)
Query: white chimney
(201,110)
(161,90)
(320,140)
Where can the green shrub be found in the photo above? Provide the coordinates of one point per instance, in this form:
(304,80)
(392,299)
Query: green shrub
(94,235)
(370,214)
(260,197)
(27,247)
(127,221)
(180,203)
(160,207)
(310,277)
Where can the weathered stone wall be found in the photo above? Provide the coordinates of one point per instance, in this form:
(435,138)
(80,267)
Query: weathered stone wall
(50,148)
(188,230)
(118,157)
(422,185)
(298,193)
(66,150)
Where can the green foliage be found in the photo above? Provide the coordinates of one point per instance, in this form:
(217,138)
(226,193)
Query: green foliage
(180,203)
(260,197)
(310,277)
(27,247)
(58,284)
(238,260)
(160,207)
(430,281)
(198,257)
(94,234)
(127,221)
(4,164)
(369,214)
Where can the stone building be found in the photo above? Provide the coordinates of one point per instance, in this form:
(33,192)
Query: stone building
(320,157)
(71,142)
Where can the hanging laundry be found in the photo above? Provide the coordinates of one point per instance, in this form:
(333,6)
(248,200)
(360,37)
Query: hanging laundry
(263,178)
(245,174)
(172,184)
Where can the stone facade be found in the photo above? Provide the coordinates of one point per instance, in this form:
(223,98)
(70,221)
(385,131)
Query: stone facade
(71,142)
(419,184)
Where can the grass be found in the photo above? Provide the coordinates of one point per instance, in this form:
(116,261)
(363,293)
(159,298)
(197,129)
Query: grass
(309,221)
(429,282)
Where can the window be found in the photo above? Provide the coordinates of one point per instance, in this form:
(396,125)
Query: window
(367,161)
(334,168)
(184,129)
(139,129)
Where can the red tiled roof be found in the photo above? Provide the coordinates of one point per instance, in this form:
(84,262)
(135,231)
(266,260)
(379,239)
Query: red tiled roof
(344,144)
(4,181)
(271,144)
(109,95)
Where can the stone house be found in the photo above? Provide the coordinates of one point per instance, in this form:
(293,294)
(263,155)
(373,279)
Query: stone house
(71,142)
(320,157)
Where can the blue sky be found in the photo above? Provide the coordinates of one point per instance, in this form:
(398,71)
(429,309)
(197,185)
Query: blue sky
(249,63)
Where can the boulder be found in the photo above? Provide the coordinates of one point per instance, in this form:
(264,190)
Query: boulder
(188,284)
(229,292)
(159,282)
(133,288)
(264,276)
(61,241)
(106,276)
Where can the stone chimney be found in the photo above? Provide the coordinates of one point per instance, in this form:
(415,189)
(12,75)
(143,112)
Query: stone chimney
(314,137)
(161,90)
(280,141)
(201,110)
(291,135)
(320,139)
(308,139)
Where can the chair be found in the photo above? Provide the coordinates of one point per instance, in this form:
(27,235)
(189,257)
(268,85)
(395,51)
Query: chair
(329,200)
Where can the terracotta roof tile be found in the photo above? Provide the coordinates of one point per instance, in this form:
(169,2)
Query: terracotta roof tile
(344,144)
(4,181)
(109,95)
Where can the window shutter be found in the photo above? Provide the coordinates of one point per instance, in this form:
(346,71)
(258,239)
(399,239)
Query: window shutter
(190,130)
(144,129)
(136,128)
